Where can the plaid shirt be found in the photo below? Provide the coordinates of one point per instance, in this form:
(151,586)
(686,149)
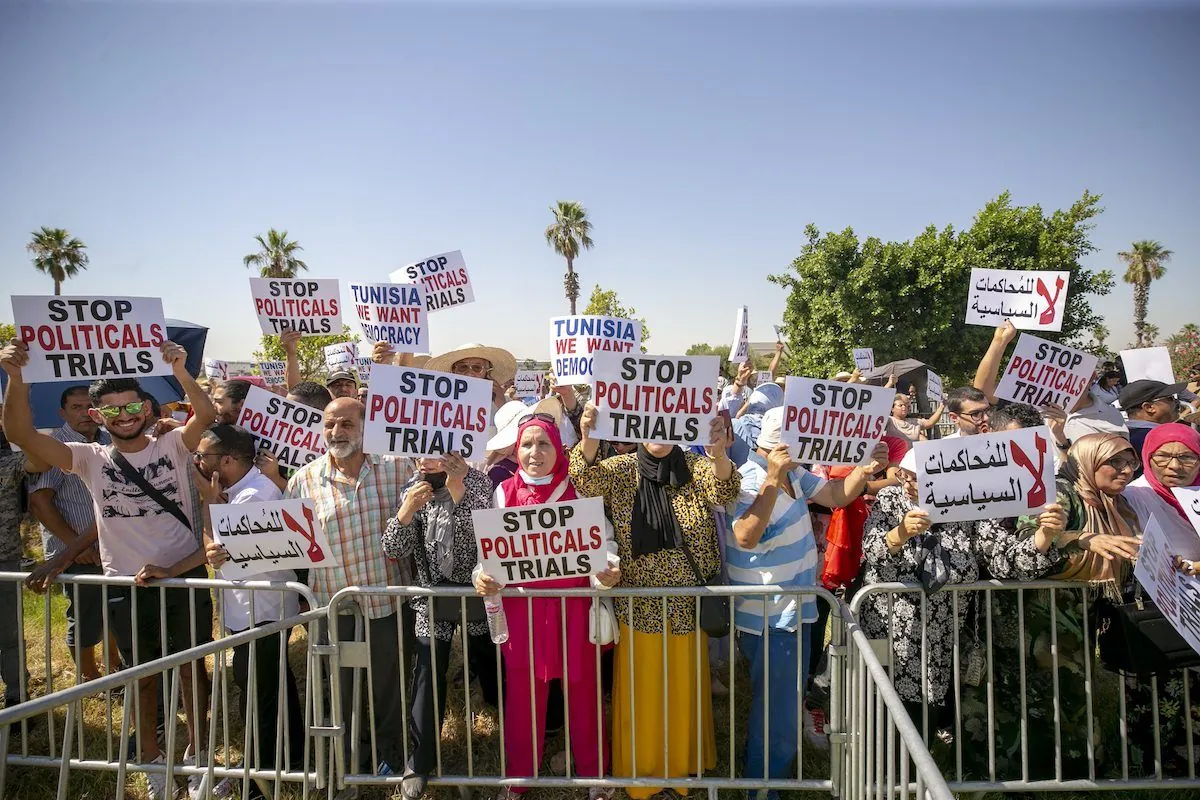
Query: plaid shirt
(354,514)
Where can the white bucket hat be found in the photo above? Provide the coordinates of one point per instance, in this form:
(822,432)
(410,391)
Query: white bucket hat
(508,414)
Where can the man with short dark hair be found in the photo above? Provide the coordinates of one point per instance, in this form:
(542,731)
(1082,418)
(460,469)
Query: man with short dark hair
(227,398)
(968,409)
(1148,404)
(311,393)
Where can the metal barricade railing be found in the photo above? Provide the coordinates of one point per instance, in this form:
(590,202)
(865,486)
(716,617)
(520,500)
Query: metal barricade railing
(66,741)
(1028,706)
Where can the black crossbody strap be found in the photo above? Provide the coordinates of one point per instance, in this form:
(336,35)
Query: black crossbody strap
(167,504)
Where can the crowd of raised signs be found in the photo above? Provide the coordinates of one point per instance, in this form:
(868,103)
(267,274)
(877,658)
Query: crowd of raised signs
(613,470)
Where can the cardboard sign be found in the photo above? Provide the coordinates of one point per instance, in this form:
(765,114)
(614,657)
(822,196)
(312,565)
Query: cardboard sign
(1149,363)
(82,338)
(263,537)
(392,313)
(312,306)
(530,544)
(1034,301)
(739,352)
(573,341)
(1041,373)
(827,422)
(292,432)
(363,364)
(530,383)
(864,359)
(341,357)
(443,277)
(1189,498)
(216,370)
(665,399)
(933,387)
(986,476)
(273,372)
(415,412)
(1176,595)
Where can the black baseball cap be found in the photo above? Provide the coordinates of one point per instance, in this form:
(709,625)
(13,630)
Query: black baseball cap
(342,375)
(1145,391)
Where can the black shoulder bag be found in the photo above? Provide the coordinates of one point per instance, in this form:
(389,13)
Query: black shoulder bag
(714,609)
(1137,638)
(167,504)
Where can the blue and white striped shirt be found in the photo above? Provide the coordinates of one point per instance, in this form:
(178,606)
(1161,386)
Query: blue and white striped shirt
(71,496)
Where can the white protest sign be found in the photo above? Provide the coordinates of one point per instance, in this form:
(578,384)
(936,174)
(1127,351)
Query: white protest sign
(364,368)
(415,412)
(273,372)
(763,376)
(664,399)
(264,537)
(1042,373)
(1176,595)
(80,338)
(573,340)
(545,542)
(1034,301)
(778,333)
(827,422)
(341,357)
(864,359)
(215,369)
(393,313)
(443,277)
(739,352)
(1189,498)
(290,431)
(1148,363)
(986,476)
(529,383)
(933,387)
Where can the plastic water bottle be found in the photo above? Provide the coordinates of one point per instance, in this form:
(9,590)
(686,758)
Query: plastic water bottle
(496,619)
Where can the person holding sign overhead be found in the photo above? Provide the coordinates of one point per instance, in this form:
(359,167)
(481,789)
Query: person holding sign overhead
(661,501)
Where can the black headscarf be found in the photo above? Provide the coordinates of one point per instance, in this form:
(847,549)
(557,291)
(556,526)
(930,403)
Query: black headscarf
(654,526)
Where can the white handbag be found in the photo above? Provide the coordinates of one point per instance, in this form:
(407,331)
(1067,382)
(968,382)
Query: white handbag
(602,622)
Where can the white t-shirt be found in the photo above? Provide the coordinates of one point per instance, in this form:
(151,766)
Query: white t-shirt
(134,529)
(254,487)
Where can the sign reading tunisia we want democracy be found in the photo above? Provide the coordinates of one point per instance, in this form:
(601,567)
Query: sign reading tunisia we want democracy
(573,341)
(392,313)
(415,412)
(665,399)
(292,432)
(543,542)
(826,422)
(311,306)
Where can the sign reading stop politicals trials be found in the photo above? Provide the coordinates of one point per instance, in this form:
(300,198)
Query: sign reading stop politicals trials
(292,432)
(664,399)
(312,306)
(273,372)
(443,277)
(545,542)
(574,341)
(81,338)
(392,313)
(827,422)
(274,535)
(529,383)
(1034,301)
(986,476)
(1042,373)
(415,412)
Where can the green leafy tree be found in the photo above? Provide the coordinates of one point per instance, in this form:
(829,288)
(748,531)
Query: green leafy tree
(8,332)
(607,304)
(310,352)
(1184,348)
(907,299)
(570,232)
(728,369)
(58,254)
(1143,264)
(276,257)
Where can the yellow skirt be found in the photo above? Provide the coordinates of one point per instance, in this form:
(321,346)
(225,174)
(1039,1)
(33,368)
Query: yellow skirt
(639,733)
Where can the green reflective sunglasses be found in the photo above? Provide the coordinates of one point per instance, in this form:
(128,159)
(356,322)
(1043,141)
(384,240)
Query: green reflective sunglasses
(112,412)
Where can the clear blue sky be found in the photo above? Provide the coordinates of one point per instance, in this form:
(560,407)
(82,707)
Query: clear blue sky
(701,139)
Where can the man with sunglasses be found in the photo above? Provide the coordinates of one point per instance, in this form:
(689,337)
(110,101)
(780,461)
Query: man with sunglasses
(145,524)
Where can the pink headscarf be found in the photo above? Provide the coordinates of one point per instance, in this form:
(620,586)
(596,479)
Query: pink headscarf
(1167,433)
(519,493)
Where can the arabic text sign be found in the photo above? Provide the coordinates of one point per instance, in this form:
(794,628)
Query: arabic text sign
(933,387)
(529,383)
(986,476)
(827,422)
(273,372)
(415,412)
(215,369)
(312,306)
(263,537)
(1176,595)
(341,357)
(1189,498)
(573,340)
(1034,301)
(292,432)
(529,544)
(1042,373)
(864,359)
(739,352)
(443,277)
(79,338)
(392,313)
(666,399)
(1148,363)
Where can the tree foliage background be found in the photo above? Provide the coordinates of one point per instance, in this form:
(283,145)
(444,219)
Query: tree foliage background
(908,299)
(607,304)
(727,369)
(310,352)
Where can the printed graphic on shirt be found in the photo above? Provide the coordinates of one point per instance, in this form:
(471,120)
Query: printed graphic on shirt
(120,498)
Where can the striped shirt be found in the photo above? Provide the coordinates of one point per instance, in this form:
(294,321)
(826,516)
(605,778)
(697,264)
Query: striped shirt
(786,555)
(354,515)
(71,496)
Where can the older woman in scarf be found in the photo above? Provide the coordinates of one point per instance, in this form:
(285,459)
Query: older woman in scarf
(434,526)
(661,502)
(537,633)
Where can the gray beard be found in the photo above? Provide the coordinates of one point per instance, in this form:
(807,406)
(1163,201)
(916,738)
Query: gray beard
(345,449)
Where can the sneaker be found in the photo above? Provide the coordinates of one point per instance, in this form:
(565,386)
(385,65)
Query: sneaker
(197,784)
(158,784)
(412,786)
(223,789)
(814,729)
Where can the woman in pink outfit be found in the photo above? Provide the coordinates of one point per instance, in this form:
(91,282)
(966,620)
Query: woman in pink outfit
(542,478)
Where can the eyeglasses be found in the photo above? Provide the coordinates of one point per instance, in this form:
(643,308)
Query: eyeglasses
(112,412)
(906,477)
(197,456)
(1187,460)
(975,416)
(539,415)
(1121,463)
(480,368)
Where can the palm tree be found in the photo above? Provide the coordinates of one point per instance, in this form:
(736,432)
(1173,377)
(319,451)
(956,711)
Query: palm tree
(277,258)
(1144,263)
(58,254)
(569,232)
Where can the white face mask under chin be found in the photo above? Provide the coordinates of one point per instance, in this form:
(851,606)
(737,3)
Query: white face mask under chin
(532,481)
